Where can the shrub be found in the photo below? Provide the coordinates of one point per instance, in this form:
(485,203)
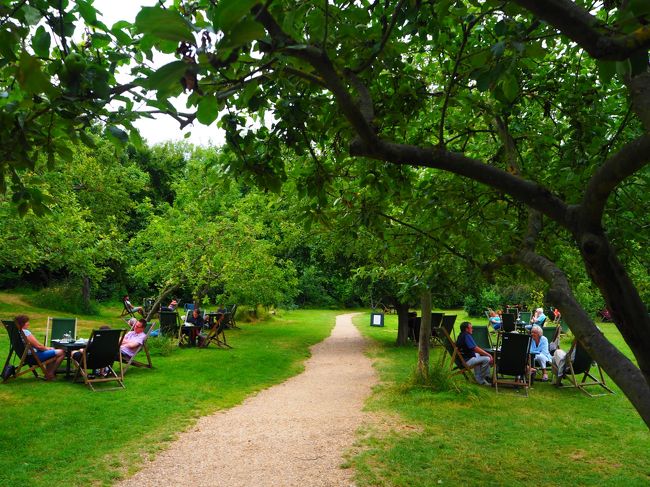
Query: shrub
(161,345)
(590,299)
(65,296)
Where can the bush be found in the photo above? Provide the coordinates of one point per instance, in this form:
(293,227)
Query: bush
(489,297)
(589,297)
(161,345)
(65,297)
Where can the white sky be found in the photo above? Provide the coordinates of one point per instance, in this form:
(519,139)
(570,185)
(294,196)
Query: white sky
(162,128)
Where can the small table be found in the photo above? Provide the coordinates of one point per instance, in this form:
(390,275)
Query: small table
(68,348)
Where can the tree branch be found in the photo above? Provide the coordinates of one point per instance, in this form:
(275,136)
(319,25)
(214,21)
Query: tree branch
(528,192)
(614,170)
(586,30)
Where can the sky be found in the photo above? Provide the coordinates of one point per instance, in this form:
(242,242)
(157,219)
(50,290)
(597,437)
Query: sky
(162,128)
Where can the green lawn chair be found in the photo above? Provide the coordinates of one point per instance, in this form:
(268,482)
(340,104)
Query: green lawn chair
(19,345)
(101,353)
(56,327)
(481,337)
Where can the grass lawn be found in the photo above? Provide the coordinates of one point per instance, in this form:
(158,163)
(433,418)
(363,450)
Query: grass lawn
(62,433)
(476,437)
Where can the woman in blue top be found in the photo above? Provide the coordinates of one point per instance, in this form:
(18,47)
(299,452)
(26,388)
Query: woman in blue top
(42,352)
(538,318)
(495,320)
(539,347)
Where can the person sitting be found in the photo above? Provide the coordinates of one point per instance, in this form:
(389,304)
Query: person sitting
(132,309)
(195,319)
(474,355)
(495,320)
(539,347)
(171,306)
(538,319)
(213,326)
(42,352)
(557,316)
(134,339)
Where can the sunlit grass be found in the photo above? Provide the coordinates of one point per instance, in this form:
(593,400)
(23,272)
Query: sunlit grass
(474,436)
(62,433)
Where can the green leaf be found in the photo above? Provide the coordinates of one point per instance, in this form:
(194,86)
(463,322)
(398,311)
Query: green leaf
(87,140)
(29,75)
(167,77)
(164,24)
(41,42)
(208,110)
(606,71)
(229,12)
(117,134)
(87,12)
(32,15)
(64,152)
(510,87)
(243,33)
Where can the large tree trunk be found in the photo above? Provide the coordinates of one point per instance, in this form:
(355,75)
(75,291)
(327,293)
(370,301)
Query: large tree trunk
(425,335)
(631,379)
(402,323)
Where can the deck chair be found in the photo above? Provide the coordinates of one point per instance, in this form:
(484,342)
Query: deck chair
(232,309)
(512,363)
(56,327)
(481,337)
(448,324)
(126,310)
(436,320)
(102,351)
(508,324)
(578,361)
(564,327)
(525,316)
(188,307)
(19,345)
(169,323)
(551,333)
(129,361)
(215,334)
(457,363)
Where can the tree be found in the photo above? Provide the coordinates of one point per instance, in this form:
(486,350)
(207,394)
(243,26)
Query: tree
(213,241)
(469,89)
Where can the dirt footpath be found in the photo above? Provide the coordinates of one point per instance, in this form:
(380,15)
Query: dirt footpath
(293,434)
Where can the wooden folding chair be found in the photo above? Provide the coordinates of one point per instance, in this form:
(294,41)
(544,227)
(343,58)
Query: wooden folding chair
(578,361)
(216,334)
(436,320)
(512,360)
(57,327)
(129,361)
(102,351)
(457,363)
(19,345)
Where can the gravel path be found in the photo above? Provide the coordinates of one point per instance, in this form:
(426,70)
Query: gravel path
(293,434)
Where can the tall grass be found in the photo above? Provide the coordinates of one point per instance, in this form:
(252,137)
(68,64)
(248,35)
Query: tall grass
(470,435)
(62,433)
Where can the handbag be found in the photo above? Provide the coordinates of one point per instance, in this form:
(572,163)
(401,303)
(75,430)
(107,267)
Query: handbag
(8,371)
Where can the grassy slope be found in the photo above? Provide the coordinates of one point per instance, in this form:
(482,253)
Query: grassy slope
(554,437)
(50,433)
